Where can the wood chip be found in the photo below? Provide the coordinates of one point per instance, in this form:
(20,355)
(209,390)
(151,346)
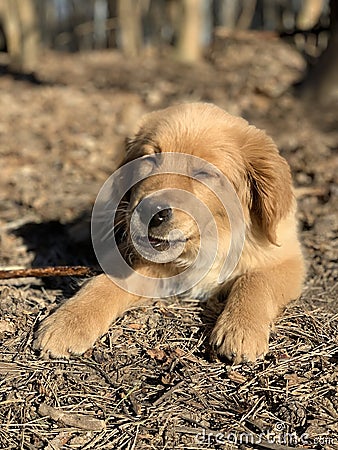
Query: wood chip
(81,421)
(156,353)
(236,377)
(135,326)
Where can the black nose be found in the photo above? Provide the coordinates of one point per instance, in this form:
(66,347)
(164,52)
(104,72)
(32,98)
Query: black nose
(159,213)
(162,216)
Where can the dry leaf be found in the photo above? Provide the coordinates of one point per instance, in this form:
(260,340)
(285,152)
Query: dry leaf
(156,353)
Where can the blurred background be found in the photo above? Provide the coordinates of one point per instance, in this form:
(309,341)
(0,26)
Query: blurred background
(187,29)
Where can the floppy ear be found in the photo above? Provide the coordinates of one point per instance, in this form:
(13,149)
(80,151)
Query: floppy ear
(133,148)
(270,182)
(137,146)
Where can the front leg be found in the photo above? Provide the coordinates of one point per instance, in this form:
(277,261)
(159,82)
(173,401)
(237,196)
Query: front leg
(242,330)
(75,326)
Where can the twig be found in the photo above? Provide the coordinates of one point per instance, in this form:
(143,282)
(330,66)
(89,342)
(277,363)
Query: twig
(71,419)
(168,393)
(57,271)
(310,191)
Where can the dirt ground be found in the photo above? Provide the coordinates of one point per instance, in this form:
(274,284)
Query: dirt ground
(152,382)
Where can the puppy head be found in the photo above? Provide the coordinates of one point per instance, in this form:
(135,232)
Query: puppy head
(246,156)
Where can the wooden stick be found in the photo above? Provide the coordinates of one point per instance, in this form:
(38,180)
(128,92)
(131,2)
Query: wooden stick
(85,422)
(58,271)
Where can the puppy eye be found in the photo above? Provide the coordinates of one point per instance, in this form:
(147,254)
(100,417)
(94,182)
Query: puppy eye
(204,174)
(150,159)
(147,166)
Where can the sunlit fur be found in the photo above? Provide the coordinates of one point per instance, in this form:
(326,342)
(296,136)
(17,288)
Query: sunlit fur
(270,271)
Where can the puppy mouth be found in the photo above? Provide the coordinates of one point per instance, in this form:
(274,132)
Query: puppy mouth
(161,243)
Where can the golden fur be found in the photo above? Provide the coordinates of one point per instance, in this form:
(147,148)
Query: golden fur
(270,271)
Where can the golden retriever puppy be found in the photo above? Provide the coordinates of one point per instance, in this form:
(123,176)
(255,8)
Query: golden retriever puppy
(268,270)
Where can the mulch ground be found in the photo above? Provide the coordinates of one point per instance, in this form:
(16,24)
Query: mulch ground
(152,382)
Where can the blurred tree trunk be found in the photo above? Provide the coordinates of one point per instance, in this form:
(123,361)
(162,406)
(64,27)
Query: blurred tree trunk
(228,13)
(112,13)
(100,18)
(129,16)
(309,14)
(29,33)
(248,11)
(156,28)
(21,31)
(47,19)
(10,22)
(270,14)
(321,83)
(189,46)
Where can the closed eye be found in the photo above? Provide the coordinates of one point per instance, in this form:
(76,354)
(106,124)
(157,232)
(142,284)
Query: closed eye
(147,164)
(151,159)
(204,174)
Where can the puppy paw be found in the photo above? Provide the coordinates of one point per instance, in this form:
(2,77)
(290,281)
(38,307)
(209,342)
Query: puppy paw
(240,340)
(65,332)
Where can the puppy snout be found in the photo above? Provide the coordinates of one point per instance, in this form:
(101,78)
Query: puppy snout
(158,212)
